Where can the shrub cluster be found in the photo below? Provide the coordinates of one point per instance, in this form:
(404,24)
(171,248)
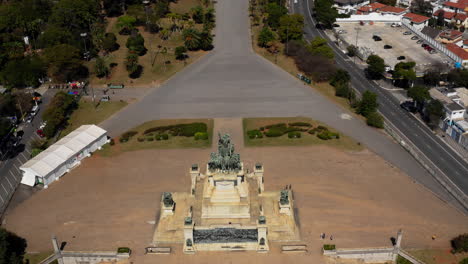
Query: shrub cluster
(326,135)
(123,250)
(300,124)
(294,134)
(255,134)
(460,243)
(201,136)
(186,130)
(127,136)
(57,112)
(163,136)
(329,247)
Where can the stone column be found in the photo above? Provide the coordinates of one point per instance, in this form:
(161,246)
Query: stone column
(188,236)
(262,246)
(258,173)
(194,175)
(396,248)
(57,250)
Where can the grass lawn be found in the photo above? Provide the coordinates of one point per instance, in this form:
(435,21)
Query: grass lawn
(34,258)
(87,114)
(344,142)
(172,143)
(288,64)
(437,256)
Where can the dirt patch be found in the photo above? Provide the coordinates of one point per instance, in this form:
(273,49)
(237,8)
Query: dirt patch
(357,197)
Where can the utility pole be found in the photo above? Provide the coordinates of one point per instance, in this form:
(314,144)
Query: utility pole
(83,35)
(357,37)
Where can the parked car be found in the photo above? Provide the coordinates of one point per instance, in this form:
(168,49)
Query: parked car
(409,106)
(428,48)
(29,118)
(43,124)
(35,110)
(414,38)
(420,41)
(407,33)
(395,25)
(377,38)
(336,25)
(433,51)
(424,45)
(319,26)
(342,32)
(105,98)
(40,133)
(387,47)
(401,58)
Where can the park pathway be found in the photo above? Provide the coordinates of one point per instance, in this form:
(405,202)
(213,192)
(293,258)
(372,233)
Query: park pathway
(234,82)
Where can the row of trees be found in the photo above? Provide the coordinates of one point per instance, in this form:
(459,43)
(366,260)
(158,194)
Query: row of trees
(57,112)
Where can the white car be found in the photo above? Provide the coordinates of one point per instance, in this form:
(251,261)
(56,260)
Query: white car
(43,124)
(35,110)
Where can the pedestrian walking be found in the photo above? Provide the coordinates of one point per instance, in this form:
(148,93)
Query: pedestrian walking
(321,235)
(331,237)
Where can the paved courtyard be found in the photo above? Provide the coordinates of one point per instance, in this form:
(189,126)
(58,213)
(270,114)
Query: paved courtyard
(402,45)
(358,198)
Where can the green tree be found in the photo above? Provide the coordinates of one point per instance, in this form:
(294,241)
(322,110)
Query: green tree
(23,72)
(275,12)
(12,247)
(191,38)
(319,46)
(326,13)
(367,104)
(61,105)
(376,67)
(109,43)
(198,14)
(460,243)
(75,15)
(265,36)
(100,67)
(291,27)
(352,50)
(340,77)
(136,43)
(206,40)
(64,61)
(131,63)
(138,12)
(5,127)
(404,73)
(180,52)
(126,22)
(54,35)
(161,8)
(419,94)
(164,34)
(464,261)
(374,119)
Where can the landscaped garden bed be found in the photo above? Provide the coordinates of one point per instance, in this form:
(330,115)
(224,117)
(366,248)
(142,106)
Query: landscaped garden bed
(175,133)
(296,131)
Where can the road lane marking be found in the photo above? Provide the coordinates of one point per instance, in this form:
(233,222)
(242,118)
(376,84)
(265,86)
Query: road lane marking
(3,201)
(11,185)
(13,176)
(23,156)
(5,189)
(16,167)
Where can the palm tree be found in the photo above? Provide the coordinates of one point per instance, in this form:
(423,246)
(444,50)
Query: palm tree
(164,34)
(191,39)
(174,17)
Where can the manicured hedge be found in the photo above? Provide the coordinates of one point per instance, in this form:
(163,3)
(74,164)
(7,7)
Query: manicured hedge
(294,134)
(326,135)
(123,250)
(329,247)
(186,130)
(127,136)
(201,136)
(303,124)
(254,134)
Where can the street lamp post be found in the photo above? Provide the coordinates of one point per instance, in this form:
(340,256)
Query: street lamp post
(83,35)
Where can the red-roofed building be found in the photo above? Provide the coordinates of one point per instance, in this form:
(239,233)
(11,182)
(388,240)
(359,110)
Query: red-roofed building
(460,19)
(465,44)
(462,55)
(458,6)
(449,36)
(393,10)
(370,8)
(416,20)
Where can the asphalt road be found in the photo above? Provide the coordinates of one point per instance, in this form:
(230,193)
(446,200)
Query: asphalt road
(233,81)
(10,175)
(437,151)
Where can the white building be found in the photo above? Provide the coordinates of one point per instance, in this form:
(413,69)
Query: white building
(349,6)
(61,157)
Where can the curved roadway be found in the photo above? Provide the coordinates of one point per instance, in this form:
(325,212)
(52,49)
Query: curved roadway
(232,81)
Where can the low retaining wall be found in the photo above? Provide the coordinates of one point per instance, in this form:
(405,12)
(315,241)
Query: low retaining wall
(368,255)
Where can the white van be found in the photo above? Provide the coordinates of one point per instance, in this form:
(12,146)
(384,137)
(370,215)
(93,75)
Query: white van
(34,110)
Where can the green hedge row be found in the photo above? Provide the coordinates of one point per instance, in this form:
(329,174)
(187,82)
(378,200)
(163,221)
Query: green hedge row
(127,136)
(186,130)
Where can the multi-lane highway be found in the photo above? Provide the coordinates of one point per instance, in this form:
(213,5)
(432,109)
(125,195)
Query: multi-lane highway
(433,148)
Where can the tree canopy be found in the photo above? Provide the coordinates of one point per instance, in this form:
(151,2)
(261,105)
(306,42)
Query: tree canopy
(12,248)
(376,66)
(319,46)
(368,103)
(275,12)
(326,13)
(291,27)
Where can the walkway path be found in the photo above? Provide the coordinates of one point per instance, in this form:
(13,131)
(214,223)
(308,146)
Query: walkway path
(232,81)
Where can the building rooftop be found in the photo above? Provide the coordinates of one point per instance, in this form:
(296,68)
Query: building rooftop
(462,124)
(450,34)
(392,9)
(463,54)
(431,32)
(454,107)
(461,4)
(346,2)
(415,18)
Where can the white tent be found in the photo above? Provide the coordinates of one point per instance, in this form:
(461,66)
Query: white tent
(62,156)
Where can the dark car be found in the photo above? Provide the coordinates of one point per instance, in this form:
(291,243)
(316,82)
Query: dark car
(336,25)
(401,58)
(377,38)
(319,26)
(424,45)
(387,47)
(408,106)
(414,38)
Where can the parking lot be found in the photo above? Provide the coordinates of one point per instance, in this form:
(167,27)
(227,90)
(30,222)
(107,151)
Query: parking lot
(402,45)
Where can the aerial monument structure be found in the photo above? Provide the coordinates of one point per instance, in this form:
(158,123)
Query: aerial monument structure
(227,208)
